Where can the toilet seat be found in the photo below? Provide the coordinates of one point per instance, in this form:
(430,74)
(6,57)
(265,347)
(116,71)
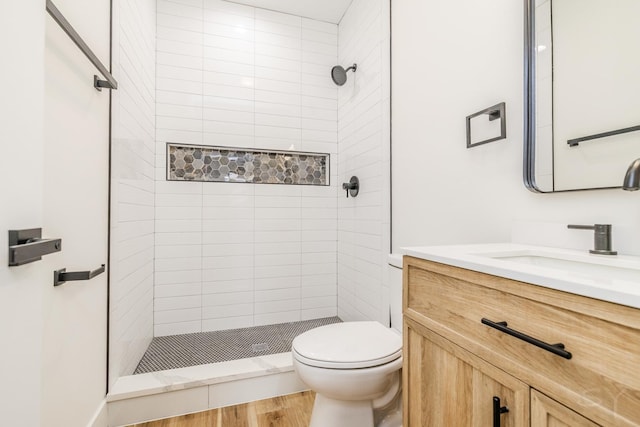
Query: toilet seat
(349,345)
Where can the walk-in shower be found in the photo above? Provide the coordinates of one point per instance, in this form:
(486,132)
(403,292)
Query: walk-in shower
(339,74)
(211,279)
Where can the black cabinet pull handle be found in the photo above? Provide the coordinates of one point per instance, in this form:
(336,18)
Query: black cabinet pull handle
(497,411)
(557,349)
(60,277)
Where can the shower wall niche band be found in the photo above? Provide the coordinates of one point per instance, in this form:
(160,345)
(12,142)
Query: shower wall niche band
(231,164)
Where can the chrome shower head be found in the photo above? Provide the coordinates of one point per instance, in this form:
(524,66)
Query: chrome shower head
(632,177)
(339,74)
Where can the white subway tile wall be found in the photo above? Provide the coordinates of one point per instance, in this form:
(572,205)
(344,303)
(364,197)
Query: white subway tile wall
(132,185)
(237,255)
(364,151)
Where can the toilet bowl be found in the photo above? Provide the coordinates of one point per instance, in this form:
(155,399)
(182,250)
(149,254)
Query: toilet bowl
(354,367)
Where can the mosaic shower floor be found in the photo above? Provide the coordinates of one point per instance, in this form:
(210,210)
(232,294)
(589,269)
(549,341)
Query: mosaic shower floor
(180,351)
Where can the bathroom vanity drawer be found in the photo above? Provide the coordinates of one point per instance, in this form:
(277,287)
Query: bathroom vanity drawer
(601,379)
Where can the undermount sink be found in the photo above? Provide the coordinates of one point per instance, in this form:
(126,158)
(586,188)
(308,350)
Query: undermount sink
(601,267)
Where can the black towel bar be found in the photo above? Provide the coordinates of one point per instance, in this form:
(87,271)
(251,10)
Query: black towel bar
(60,277)
(576,141)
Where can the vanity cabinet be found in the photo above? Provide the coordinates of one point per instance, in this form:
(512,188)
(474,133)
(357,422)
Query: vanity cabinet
(451,387)
(546,412)
(460,353)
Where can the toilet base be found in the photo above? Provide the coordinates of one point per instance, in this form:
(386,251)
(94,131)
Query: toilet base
(341,413)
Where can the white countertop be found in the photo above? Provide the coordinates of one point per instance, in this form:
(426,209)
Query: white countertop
(485,258)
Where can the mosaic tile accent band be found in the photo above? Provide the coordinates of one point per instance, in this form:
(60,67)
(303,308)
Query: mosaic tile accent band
(180,351)
(229,164)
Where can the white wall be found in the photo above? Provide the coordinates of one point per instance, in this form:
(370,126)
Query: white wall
(22,136)
(363,150)
(443,70)
(237,255)
(132,184)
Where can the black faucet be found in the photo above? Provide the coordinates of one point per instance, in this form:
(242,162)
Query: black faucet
(601,238)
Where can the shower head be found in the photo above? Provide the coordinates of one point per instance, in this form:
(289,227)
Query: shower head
(632,177)
(339,74)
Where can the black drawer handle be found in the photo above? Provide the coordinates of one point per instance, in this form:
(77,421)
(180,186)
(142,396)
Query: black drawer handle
(557,349)
(497,411)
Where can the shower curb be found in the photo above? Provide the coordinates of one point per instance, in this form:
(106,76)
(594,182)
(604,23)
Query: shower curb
(162,394)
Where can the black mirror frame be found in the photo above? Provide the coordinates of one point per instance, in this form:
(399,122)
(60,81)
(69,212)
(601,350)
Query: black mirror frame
(529,145)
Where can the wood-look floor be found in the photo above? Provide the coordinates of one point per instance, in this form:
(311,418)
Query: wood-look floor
(293,410)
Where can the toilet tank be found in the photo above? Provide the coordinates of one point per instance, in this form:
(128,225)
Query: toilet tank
(394,277)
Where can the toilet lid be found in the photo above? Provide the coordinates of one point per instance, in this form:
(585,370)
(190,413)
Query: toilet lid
(348,345)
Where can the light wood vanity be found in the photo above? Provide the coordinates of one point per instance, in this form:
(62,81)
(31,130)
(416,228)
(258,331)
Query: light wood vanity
(456,367)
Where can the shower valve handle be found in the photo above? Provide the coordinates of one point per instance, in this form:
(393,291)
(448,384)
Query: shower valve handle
(352,187)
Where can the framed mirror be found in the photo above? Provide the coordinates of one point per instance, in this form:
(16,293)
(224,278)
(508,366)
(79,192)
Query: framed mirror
(582,93)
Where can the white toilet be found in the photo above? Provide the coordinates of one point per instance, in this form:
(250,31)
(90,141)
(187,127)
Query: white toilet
(354,367)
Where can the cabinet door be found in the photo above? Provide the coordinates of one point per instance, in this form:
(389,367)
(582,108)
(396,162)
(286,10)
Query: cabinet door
(445,385)
(546,412)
